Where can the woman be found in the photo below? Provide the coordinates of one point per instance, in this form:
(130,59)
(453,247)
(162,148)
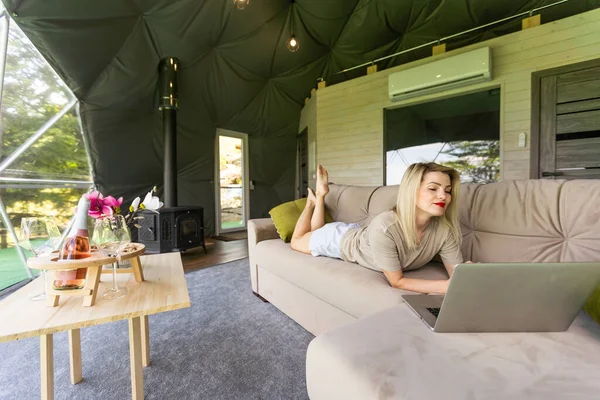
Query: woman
(423,223)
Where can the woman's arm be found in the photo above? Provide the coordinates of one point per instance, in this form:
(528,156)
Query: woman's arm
(451,254)
(397,280)
(450,267)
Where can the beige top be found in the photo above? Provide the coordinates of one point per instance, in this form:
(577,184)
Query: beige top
(379,246)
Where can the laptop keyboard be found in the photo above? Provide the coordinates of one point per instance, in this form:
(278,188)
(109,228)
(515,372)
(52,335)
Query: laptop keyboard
(434,311)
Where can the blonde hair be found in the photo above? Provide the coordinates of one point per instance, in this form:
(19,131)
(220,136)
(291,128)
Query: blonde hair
(406,203)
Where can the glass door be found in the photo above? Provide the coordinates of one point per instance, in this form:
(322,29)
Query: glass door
(232,183)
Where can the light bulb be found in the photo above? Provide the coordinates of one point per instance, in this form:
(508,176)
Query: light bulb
(240,4)
(293,44)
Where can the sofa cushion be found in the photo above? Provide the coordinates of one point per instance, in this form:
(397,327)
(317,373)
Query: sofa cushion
(580,220)
(359,204)
(592,307)
(354,289)
(286,215)
(392,355)
(513,221)
(582,230)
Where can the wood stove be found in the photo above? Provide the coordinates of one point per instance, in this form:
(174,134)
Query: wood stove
(172,228)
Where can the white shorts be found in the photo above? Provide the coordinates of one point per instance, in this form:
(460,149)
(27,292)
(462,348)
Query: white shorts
(326,240)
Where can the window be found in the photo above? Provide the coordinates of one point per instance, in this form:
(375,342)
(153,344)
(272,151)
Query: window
(461,132)
(476,161)
(44,166)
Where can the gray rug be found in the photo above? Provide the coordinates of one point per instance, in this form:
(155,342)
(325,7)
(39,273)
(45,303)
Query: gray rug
(227,345)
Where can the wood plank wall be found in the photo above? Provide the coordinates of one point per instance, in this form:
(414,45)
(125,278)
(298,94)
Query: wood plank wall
(347,119)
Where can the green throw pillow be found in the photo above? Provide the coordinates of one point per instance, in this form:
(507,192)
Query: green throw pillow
(592,307)
(286,215)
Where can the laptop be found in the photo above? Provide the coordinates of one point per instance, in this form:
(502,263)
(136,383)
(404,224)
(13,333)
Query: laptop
(509,297)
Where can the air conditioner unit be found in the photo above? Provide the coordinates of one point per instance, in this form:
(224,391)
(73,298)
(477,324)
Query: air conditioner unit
(460,70)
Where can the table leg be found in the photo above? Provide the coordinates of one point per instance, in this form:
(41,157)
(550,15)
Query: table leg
(92,282)
(145,342)
(75,355)
(135,358)
(136,267)
(47,366)
(51,300)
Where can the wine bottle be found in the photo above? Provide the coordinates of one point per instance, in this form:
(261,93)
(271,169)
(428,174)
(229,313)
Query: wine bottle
(75,247)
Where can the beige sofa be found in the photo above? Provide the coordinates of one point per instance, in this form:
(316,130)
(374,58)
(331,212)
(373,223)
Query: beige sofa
(529,220)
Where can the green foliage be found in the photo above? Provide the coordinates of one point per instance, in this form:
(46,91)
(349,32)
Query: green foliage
(478,161)
(32,95)
(60,151)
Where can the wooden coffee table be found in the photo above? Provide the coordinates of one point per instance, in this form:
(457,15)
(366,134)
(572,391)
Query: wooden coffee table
(164,289)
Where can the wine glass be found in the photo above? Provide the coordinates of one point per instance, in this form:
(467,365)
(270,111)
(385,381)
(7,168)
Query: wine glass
(111,235)
(39,235)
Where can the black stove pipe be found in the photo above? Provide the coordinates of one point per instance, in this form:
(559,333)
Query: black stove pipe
(168,104)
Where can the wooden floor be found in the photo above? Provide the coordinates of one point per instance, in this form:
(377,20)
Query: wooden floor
(219,252)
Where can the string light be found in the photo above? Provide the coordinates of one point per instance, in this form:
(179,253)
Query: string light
(241,4)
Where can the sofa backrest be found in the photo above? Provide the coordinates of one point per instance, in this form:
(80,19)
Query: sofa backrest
(534,220)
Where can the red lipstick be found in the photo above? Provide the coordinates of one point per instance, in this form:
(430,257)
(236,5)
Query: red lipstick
(440,204)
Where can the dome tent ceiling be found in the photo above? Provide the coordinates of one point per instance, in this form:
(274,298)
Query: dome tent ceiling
(236,73)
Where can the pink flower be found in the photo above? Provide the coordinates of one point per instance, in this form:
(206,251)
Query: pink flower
(98,207)
(115,204)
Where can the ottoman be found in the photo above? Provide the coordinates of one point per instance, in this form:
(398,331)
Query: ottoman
(393,355)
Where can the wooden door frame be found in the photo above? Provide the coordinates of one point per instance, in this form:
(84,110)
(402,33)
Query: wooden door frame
(534,134)
(246,180)
(299,136)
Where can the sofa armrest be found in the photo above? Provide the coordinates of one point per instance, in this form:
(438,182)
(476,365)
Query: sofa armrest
(261,229)
(258,230)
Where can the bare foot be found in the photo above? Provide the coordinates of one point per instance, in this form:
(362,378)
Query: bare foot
(322,181)
(311,196)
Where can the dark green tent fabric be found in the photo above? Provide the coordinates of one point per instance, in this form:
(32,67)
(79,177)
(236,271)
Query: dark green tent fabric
(236,73)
